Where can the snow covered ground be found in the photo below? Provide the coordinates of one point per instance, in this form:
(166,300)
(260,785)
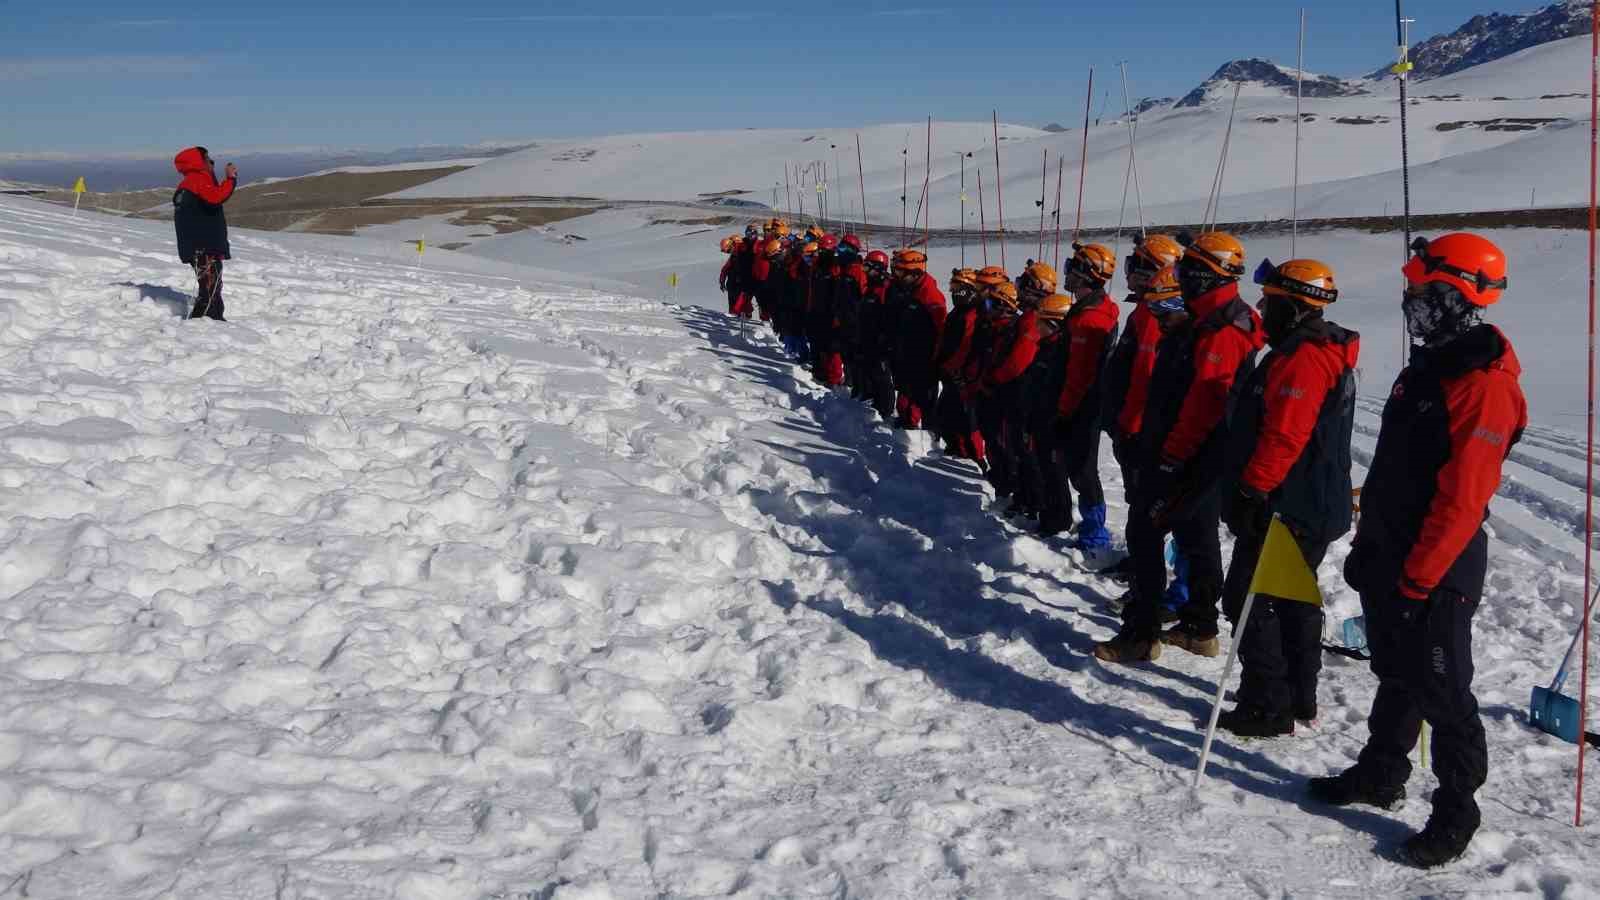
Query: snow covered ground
(436,582)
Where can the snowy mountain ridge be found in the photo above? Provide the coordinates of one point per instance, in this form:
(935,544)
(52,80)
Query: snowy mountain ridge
(1485,38)
(1264,73)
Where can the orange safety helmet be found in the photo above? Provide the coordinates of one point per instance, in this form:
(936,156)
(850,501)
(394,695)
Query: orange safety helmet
(964,277)
(1154,252)
(773,247)
(1005,293)
(1093,261)
(1309,281)
(1471,264)
(989,276)
(1218,251)
(909,260)
(727,245)
(1040,276)
(1055,307)
(1163,286)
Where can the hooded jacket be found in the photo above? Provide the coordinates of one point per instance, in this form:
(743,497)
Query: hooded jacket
(197,207)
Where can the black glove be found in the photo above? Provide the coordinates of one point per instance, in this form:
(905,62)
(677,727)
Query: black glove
(1246,514)
(1160,483)
(1409,618)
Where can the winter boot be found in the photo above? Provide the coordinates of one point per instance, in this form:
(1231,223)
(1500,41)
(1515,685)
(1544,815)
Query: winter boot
(1092,533)
(1355,786)
(1245,720)
(1121,570)
(1128,647)
(1443,839)
(1187,637)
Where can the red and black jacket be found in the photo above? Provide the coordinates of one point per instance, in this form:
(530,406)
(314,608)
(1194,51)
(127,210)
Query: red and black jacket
(918,315)
(197,215)
(819,302)
(1091,327)
(1011,353)
(1289,438)
(1127,378)
(1451,420)
(872,335)
(1196,380)
(848,292)
(956,340)
(1040,386)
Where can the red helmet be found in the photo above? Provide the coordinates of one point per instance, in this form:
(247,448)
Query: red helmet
(852,242)
(1470,264)
(878,259)
(828,242)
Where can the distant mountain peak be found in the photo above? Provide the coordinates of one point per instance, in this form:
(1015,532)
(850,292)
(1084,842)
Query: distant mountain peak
(1486,38)
(1266,73)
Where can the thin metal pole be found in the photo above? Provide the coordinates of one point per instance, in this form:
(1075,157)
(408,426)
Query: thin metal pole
(1044,167)
(905,187)
(927,187)
(861,179)
(1083,160)
(1588,490)
(1060,165)
(983,227)
(963,158)
(788,197)
(1133,162)
(999,190)
(1299,80)
(1213,205)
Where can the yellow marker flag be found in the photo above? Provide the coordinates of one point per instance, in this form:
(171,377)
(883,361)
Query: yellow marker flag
(419,248)
(80,187)
(1282,571)
(672,280)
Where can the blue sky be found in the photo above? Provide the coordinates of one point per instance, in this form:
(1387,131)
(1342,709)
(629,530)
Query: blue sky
(102,75)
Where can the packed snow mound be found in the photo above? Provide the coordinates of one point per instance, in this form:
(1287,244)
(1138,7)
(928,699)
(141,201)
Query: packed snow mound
(440,582)
(1265,77)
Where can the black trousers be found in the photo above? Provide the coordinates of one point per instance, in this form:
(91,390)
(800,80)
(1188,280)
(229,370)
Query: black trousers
(1058,464)
(1003,468)
(1280,651)
(1195,530)
(1425,675)
(208,292)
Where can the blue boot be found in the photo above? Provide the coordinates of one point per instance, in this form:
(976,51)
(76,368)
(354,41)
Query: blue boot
(1177,594)
(1092,534)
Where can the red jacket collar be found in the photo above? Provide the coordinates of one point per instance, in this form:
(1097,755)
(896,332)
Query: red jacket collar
(1213,300)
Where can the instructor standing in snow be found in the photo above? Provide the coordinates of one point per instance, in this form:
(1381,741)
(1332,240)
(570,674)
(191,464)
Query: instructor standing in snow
(1420,554)
(202,228)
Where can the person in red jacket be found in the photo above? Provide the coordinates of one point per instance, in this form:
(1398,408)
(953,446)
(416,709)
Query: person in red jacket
(1011,352)
(1192,391)
(1288,456)
(872,339)
(917,310)
(958,425)
(821,334)
(1420,554)
(999,298)
(1091,329)
(201,226)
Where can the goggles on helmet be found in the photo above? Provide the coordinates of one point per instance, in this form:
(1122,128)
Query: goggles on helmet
(1419,249)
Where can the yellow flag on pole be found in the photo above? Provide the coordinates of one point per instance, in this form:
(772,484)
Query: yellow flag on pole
(80,187)
(1282,571)
(672,280)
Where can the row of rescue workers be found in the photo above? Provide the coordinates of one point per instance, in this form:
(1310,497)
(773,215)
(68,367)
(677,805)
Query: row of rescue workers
(1022,379)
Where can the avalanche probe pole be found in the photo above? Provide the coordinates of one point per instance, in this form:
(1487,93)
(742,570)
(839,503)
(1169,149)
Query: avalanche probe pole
(999,190)
(983,227)
(1044,167)
(1060,166)
(963,159)
(927,188)
(1588,491)
(1401,69)
(862,181)
(1133,161)
(1299,80)
(1083,160)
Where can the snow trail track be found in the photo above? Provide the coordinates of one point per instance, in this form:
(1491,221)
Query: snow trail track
(427,584)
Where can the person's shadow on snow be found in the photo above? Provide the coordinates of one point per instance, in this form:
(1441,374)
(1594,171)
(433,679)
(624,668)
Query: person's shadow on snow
(877,513)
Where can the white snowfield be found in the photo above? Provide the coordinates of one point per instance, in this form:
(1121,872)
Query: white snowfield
(434,583)
(1459,125)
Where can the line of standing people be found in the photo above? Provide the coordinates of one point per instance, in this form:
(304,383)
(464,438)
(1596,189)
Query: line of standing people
(1218,412)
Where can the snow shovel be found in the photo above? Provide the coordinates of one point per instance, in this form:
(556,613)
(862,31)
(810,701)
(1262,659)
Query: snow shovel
(1552,711)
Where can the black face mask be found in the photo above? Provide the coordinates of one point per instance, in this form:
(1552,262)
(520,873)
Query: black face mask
(1194,281)
(1436,313)
(1280,316)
